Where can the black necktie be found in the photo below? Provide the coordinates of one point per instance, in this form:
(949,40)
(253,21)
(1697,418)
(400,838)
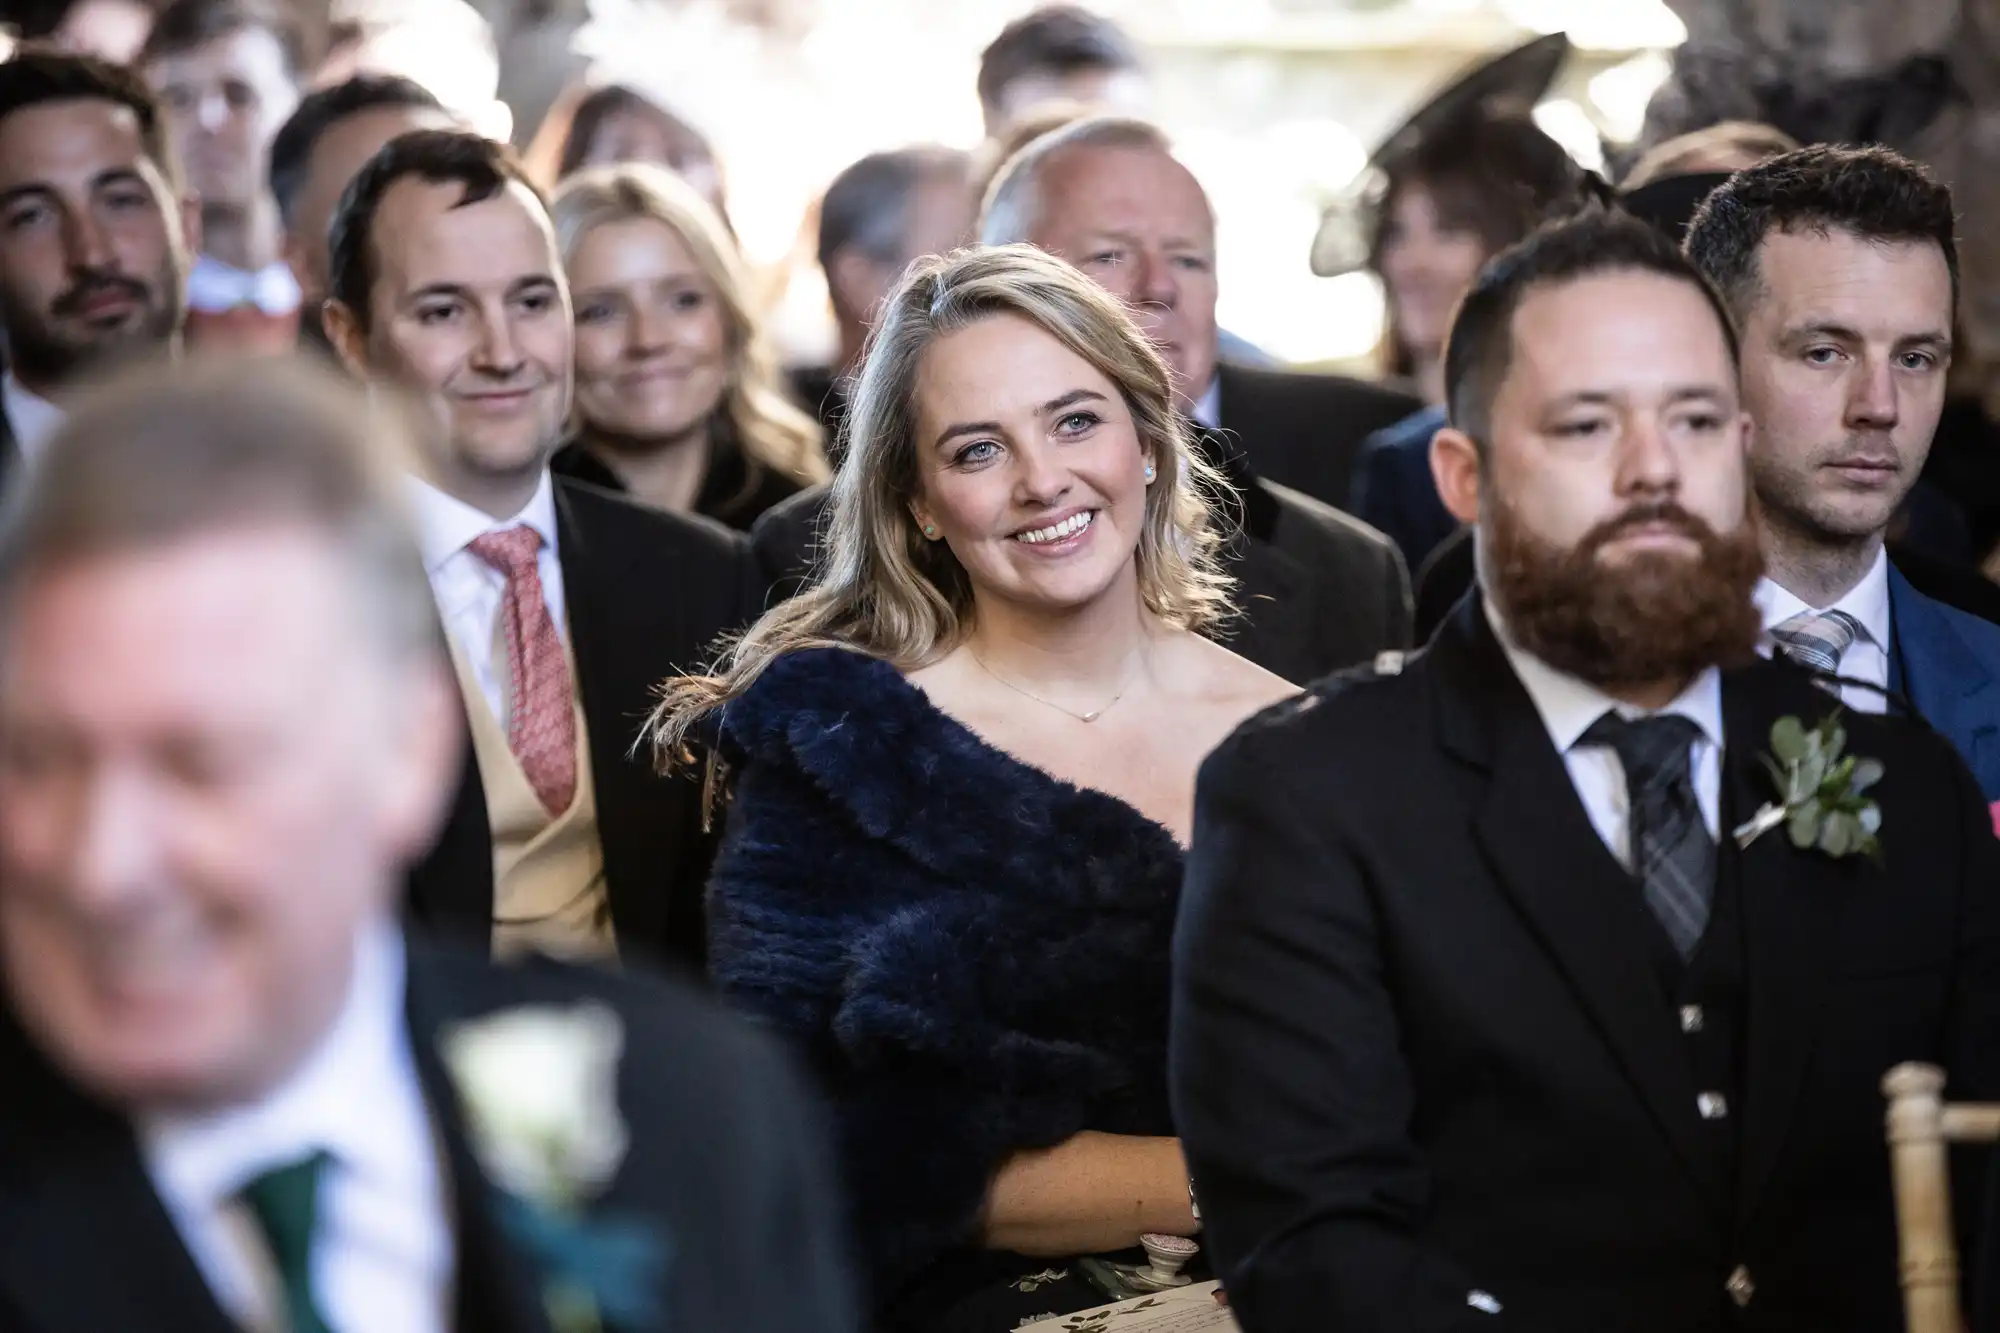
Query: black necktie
(1672,855)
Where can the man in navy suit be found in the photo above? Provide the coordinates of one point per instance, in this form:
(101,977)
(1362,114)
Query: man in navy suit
(1840,267)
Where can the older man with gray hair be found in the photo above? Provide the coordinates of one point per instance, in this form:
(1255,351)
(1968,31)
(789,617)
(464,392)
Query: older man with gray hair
(1107,194)
(228,729)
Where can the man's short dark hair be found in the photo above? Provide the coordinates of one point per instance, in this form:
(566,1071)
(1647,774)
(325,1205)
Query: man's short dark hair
(1057,39)
(1596,242)
(867,208)
(185,25)
(1871,193)
(480,167)
(320,111)
(35,75)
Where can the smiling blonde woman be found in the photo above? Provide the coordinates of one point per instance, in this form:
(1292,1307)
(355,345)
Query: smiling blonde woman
(964,767)
(678,393)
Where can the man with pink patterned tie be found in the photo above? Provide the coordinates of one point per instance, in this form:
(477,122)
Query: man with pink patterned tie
(563,606)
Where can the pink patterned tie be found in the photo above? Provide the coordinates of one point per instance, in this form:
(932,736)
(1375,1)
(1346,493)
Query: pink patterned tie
(541,726)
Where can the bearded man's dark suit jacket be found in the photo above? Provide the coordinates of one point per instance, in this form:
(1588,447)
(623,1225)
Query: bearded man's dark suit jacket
(1429,1042)
(1318,590)
(1305,430)
(647,594)
(726,1162)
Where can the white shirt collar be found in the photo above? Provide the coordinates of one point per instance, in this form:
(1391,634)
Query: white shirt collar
(213,1156)
(34,418)
(1207,410)
(1568,706)
(447,525)
(217,287)
(1867,601)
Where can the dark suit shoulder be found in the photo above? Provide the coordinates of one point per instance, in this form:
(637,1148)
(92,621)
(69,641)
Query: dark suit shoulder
(787,526)
(1301,390)
(783,538)
(1357,710)
(1304,429)
(1306,525)
(645,532)
(668,1023)
(1982,636)
(1410,437)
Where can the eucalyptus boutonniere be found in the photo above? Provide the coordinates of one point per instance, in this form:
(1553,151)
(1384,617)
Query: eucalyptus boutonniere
(540,1090)
(1822,799)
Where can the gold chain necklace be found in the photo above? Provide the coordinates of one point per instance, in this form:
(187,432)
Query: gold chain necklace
(1091,716)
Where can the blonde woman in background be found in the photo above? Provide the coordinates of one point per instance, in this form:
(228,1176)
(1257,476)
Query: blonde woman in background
(679,398)
(963,764)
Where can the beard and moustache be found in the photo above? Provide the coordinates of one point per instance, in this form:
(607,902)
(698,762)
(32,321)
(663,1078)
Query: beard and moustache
(1652,616)
(44,351)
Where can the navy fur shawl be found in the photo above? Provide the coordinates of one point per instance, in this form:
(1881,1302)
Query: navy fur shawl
(973,953)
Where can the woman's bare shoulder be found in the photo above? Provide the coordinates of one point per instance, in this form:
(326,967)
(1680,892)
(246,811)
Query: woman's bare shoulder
(1229,682)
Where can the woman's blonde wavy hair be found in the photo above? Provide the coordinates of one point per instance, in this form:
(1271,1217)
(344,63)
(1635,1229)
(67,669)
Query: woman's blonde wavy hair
(879,587)
(772,432)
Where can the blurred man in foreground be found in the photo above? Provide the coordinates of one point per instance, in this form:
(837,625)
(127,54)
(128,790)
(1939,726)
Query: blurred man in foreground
(228,728)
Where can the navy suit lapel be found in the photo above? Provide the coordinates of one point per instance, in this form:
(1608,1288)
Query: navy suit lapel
(1947,682)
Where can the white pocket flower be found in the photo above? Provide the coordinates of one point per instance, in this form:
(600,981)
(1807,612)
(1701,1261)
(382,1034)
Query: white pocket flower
(540,1091)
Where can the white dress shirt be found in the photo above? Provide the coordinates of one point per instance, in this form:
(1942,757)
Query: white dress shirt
(383,1245)
(218,287)
(34,418)
(1867,658)
(469,591)
(1569,706)
(1207,409)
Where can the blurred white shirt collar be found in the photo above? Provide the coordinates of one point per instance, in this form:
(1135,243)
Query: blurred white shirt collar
(34,418)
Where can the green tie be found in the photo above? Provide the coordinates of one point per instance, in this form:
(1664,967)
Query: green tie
(285,1201)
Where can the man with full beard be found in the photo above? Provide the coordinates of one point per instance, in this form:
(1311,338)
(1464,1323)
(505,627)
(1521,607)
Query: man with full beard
(1496,1003)
(95,235)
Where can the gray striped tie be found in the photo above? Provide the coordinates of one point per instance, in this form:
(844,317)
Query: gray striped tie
(1817,640)
(1672,855)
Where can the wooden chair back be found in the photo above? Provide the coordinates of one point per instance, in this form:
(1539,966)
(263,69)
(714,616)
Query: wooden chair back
(1922,1128)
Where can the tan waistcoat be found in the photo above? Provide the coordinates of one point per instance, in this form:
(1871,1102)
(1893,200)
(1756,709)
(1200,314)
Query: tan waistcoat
(548,873)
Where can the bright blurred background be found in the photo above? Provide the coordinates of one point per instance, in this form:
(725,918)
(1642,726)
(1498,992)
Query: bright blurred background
(1274,104)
